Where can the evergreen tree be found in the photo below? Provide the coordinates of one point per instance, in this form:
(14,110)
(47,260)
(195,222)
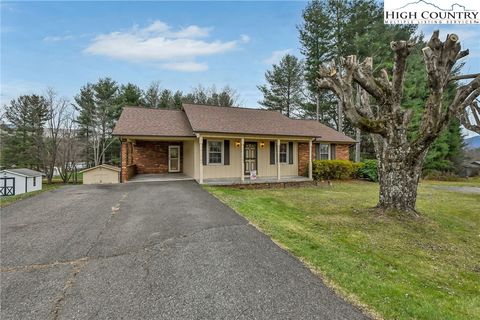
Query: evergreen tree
(23,140)
(99,109)
(332,29)
(227,97)
(85,105)
(131,95)
(152,95)
(284,89)
(177,100)
(166,99)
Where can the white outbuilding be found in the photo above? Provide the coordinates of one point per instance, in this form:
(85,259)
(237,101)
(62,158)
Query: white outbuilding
(18,181)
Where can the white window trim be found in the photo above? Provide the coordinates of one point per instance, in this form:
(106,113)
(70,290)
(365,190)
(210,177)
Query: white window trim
(320,150)
(208,153)
(286,158)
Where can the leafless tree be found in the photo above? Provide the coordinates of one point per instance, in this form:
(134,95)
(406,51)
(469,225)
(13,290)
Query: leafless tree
(69,148)
(57,112)
(401,158)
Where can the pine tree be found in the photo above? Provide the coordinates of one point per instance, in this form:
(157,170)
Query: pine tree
(23,144)
(131,95)
(284,89)
(152,95)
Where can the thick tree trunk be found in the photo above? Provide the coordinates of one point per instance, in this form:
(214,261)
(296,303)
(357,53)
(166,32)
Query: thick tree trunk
(398,174)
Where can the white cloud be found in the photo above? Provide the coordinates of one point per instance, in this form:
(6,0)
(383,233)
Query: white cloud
(276,56)
(244,38)
(158,42)
(188,66)
(57,38)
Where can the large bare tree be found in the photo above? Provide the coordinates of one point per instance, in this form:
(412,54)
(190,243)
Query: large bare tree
(400,157)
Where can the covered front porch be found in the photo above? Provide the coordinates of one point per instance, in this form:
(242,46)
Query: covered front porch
(248,159)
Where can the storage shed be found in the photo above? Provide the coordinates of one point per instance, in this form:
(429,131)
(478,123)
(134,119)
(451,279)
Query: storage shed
(18,181)
(103,173)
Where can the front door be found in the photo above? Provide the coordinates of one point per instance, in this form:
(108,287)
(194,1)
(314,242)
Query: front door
(173,158)
(250,157)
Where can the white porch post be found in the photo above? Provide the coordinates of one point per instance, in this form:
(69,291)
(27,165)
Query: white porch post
(242,150)
(200,178)
(278,159)
(310,159)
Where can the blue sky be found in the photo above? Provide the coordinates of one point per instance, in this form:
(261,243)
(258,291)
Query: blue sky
(64,45)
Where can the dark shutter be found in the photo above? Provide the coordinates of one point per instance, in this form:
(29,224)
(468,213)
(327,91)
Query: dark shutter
(226,152)
(317,151)
(204,152)
(290,152)
(272,152)
(332,151)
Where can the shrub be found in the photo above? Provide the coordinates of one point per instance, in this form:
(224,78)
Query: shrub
(368,169)
(440,175)
(332,169)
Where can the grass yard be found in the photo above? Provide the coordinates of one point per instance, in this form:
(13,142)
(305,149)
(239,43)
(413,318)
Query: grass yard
(5,201)
(428,268)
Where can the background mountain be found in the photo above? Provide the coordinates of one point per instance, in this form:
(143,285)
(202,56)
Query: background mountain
(472,143)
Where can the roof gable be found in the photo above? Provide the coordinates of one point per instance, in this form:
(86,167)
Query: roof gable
(138,121)
(105,166)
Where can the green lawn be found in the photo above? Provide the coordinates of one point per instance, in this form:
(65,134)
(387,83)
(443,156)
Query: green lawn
(5,201)
(397,268)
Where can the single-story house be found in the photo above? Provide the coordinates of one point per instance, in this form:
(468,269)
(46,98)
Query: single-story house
(103,173)
(211,143)
(18,181)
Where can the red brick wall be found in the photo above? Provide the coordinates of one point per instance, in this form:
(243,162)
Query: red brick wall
(342,152)
(152,156)
(128,168)
(303,158)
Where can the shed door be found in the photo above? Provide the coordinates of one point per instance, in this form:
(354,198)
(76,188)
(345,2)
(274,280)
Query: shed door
(7,186)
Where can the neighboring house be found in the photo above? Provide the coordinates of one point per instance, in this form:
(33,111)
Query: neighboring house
(209,142)
(469,169)
(18,181)
(103,173)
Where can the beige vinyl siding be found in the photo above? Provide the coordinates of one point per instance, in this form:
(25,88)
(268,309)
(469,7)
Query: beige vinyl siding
(100,175)
(232,170)
(270,170)
(189,158)
(264,168)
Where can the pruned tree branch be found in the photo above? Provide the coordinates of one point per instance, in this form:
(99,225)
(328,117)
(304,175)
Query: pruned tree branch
(474,125)
(340,81)
(464,76)
(402,50)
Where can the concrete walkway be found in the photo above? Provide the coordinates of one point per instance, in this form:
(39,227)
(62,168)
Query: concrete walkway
(149,251)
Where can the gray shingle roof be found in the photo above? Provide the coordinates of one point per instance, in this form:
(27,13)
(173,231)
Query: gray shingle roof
(138,121)
(203,118)
(25,172)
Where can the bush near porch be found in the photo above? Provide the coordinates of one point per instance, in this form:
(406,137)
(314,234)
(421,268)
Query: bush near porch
(427,268)
(333,169)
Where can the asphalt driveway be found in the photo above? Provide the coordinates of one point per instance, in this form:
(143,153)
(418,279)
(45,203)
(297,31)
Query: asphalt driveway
(149,251)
